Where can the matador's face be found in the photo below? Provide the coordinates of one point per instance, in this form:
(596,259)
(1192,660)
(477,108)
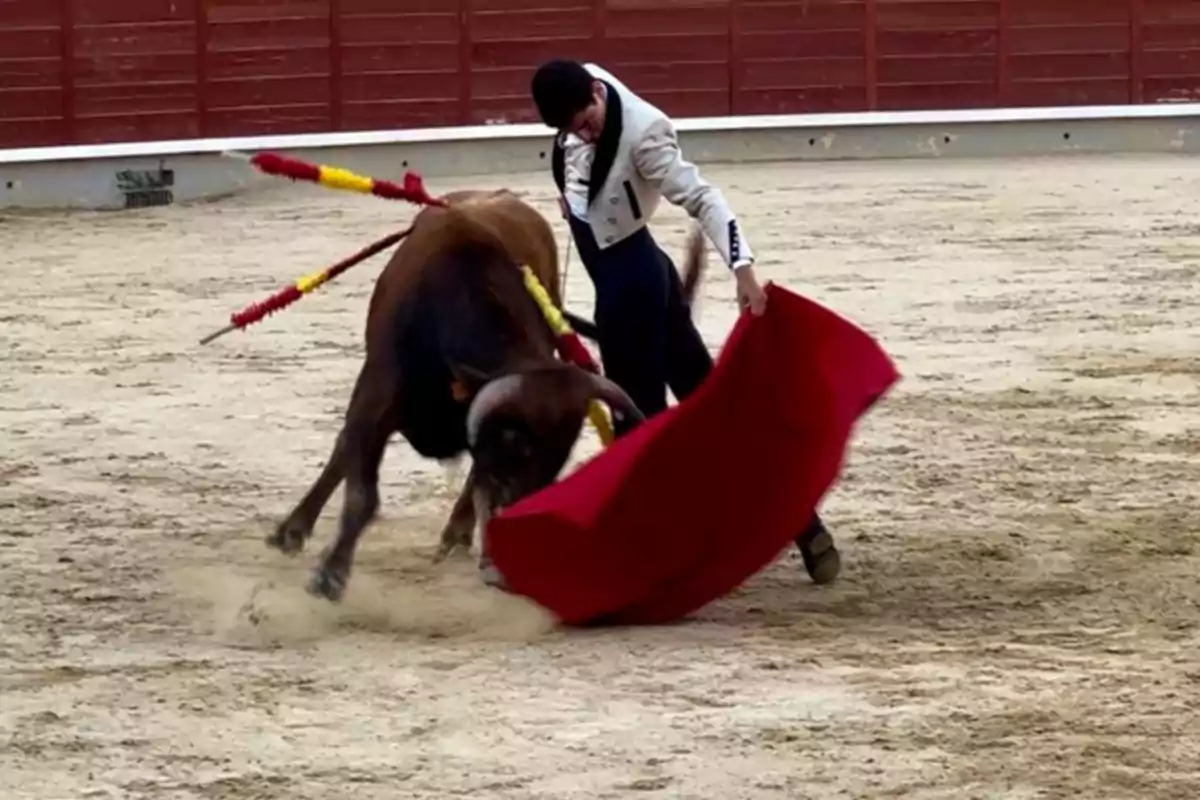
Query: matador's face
(589,121)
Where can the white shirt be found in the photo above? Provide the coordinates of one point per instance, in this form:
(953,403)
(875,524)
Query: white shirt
(577,159)
(647,165)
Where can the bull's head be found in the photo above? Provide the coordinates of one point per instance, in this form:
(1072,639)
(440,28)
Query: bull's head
(522,426)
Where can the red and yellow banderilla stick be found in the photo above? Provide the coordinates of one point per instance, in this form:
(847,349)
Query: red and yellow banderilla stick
(290,294)
(569,347)
(412,190)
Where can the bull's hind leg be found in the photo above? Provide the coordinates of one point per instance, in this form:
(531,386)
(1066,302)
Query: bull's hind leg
(369,423)
(459,532)
(293,532)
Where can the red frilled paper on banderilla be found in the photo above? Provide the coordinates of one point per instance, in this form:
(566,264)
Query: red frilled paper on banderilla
(689,505)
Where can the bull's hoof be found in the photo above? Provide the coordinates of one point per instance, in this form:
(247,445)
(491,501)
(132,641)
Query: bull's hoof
(328,584)
(821,558)
(450,548)
(289,536)
(492,577)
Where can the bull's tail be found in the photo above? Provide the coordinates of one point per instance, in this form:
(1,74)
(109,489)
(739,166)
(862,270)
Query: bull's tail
(584,327)
(695,261)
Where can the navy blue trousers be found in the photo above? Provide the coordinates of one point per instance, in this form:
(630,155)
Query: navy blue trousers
(646,335)
(648,341)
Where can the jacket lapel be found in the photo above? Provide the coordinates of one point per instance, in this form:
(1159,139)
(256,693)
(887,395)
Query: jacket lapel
(557,165)
(607,144)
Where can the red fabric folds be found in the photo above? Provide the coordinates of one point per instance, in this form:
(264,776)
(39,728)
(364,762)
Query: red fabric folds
(685,508)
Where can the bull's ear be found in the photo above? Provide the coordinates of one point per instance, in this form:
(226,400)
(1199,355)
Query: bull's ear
(469,377)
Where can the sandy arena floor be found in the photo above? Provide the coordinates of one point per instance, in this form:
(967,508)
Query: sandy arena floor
(1019,614)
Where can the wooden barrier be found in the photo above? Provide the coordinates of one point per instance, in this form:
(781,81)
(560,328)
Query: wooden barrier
(75,72)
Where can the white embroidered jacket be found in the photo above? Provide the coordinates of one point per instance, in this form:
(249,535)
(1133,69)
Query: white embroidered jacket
(635,163)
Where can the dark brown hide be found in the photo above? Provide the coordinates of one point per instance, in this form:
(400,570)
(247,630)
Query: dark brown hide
(449,315)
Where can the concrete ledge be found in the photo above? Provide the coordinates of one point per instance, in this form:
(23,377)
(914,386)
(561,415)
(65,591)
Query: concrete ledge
(125,175)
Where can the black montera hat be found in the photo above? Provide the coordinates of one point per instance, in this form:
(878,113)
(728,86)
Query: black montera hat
(561,89)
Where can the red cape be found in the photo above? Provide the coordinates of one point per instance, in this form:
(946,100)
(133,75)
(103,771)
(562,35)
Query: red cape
(683,509)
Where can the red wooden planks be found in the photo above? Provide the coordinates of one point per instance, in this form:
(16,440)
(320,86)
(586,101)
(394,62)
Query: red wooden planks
(99,12)
(360,7)
(934,70)
(388,86)
(936,53)
(1080,92)
(399,28)
(1064,53)
(1173,64)
(268,120)
(399,114)
(530,53)
(401,63)
(1171,90)
(17,44)
(944,94)
(33,103)
(1068,39)
(125,39)
(801,72)
(1170,11)
(132,98)
(691,103)
(811,100)
(176,68)
(489,26)
(1170,62)
(936,14)
(1069,66)
(808,56)
(268,63)
(387,57)
(674,77)
(225,11)
(140,127)
(512,109)
(31,132)
(268,34)
(31,74)
(803,44)
(702,20)
(290,90)
(1171,36)
(1067,12)
(133,69)
(758,16)
(926,44)
(24,14)
(650,48)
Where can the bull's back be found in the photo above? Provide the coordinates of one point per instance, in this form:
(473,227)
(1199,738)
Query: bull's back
(526,234)
(450,294)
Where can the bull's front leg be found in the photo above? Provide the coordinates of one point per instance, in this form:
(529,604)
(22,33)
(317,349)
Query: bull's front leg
(369,423)
(291,534)
(487,569)
(459,531)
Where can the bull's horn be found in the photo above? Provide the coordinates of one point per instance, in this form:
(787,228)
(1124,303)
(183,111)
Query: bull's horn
(489,398)
(616,397)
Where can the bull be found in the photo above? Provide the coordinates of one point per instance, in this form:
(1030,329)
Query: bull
(459,358)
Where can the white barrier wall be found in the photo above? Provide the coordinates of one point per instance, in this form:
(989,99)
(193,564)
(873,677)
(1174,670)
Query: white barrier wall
(115,176)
